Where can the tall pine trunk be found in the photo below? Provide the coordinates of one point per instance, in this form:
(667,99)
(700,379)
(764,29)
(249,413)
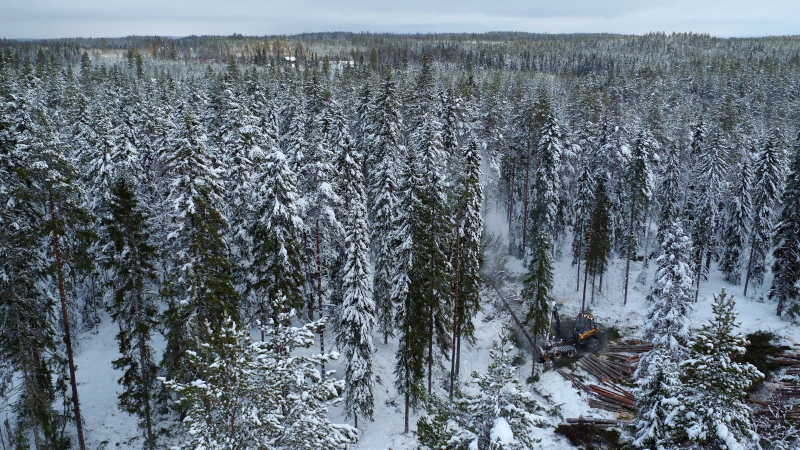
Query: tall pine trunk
(319,296)
(455,308)
(143,358)
(76,407)
(628,253)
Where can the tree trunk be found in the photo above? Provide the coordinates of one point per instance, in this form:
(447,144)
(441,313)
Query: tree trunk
(750,262)
(151,444)
(319,295)
(586,269)
(699,273)
(430,351)
(525,201)
(76,408)
(535,355)
(628,258)
(405,428)
(578,277)
(455,307)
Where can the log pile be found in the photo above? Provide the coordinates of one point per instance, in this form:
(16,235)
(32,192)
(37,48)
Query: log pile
(785,359)
(605,370)
(787,391)
(610,398)
(636,347)
(772,410)
(615,396)
(601,423)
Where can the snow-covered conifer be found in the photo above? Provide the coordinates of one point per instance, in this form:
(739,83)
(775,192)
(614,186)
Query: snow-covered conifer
(736,223)
(715,382)
(277,269)
(385,154)
(638,193)
(667,327)
(767,184)
(468,257)
(786,268)
(259,394)
(498,414)
(130,257)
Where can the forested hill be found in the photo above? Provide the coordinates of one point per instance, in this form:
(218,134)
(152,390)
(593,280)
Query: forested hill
(338,183)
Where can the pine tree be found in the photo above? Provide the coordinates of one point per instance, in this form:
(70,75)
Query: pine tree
(768,178)
(498,414)
(639,180)
(715,383)
(134,309)
(785,287)
(667,327)
(536,289)
(736,224)
(277,270)
(468,255)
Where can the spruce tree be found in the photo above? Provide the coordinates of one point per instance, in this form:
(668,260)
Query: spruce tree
(736,224)
(276,230)
(130,258)
(27,322)
(259,394)
(357,311)
(785,287)
(468,255)
(584,206)
(497,414)
(411,288)
(768,178)
(598,239)
(536,289)
(432,265)
(669,193)
(385,155)
(547,212)
(667,327)
(715,383)
(203,284)
(639,192)
(710,174)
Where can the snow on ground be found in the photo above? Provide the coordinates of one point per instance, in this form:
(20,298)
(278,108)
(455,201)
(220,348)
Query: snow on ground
(108,427)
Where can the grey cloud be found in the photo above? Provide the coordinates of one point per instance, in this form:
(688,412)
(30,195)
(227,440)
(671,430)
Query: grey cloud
(52,18)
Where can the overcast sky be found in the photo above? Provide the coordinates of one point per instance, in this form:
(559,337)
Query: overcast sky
(112,18)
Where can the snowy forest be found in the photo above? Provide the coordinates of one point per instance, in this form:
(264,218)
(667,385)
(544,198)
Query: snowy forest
(357,241)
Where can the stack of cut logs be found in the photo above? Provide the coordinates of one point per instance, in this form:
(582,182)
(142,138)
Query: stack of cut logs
(786,359)
(774,410)
(636,347)
(780,406)
(614,398)
(615,367)
(601,423)
(605,370)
